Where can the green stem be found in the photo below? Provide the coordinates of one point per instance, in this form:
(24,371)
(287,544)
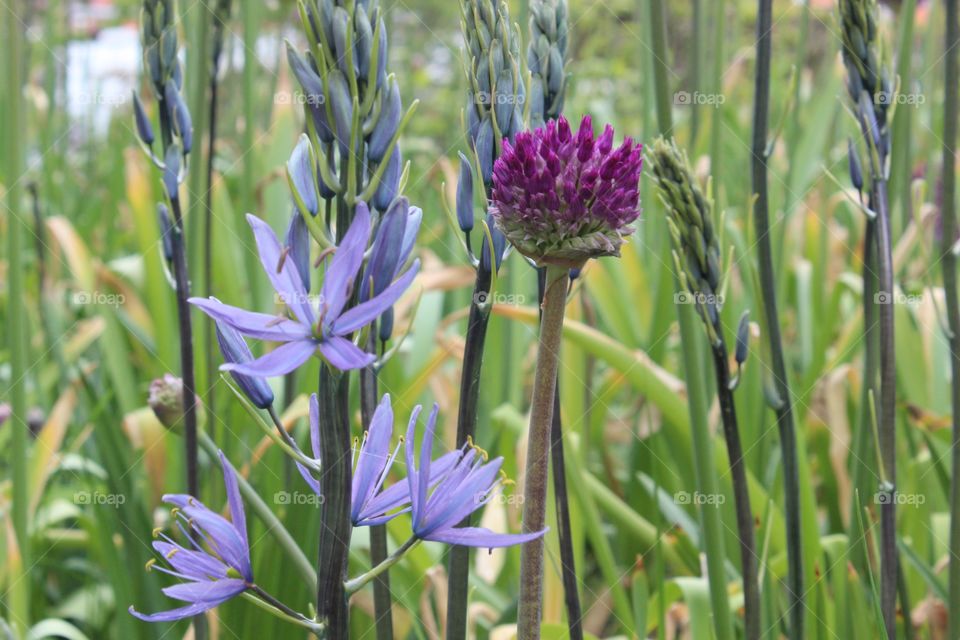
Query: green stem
(741,492)
(355,584)
(538,452)
(949,212)
(18,599)
(269,519)
(459,567)
(691,345)
(768,295)
(335,485)
(268,603)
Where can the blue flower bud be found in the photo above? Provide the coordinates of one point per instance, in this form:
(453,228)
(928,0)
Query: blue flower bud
(743,338)
(387,122)
(140,118)
(484,148)
(386,249)
(301,167)
(298,245)
(179,115)
(341,22)
(166,231)
(389,182)
(234,349)
(309,80)
(386,326)
(382,54)
(499,246)
(856,173)
(363,42)
(465,195)
(342,105)
(171,171)
(504,100)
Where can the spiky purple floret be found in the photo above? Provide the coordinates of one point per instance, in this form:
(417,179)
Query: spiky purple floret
(563,197)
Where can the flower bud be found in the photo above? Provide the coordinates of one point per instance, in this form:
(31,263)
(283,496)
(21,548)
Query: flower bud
(499,246)
(387,122)
(484,148)
(166,232)
(166,401)
(389,182)
(171,171)
(385,329)
(504,99)
(309,80)
(302,171)
(235,350)
(179,115)
(385,252)
(465,195)
(856,173)
(140,118)
(298,245)
(341,22)
(363,42)
(342,105)
(743,338)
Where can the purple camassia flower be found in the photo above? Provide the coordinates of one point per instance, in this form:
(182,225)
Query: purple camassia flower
(310,329)
(370,503)
(212,573)
(562,198)
(469,485)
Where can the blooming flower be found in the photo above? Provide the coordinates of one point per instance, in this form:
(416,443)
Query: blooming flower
(212,573)
(234,349)
(562,198)
(310,329)
(371,504)
(466,487)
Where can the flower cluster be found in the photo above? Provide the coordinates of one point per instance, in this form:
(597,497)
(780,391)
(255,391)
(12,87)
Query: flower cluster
(562,197)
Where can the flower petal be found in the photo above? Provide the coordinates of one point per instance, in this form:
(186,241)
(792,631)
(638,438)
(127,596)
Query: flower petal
(480,537)
(251,323)
(345,355)
(206,591)
(366,312)
(373,456)
(237,515)
(278,362)
(175,614)
(286,281)
(346,263)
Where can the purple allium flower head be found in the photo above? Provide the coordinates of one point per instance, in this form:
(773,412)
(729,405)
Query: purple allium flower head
(467,486)
(562,197)
(215,565)
(371,504)
(325,328)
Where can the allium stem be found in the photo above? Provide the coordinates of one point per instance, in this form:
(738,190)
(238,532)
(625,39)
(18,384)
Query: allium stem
(949,213)
(741,494)
(335,486)
(459,569)
(568,567)
(538,452)
(768,296)
(18,597)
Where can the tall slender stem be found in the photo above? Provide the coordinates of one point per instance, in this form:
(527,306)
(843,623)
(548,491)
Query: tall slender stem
(768,295)
(19,591)
(182,278)
(568,568)
(538,452)
(741,494)
(887,410)
(691,341)
(949,213)
(459,567)
(335,486)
